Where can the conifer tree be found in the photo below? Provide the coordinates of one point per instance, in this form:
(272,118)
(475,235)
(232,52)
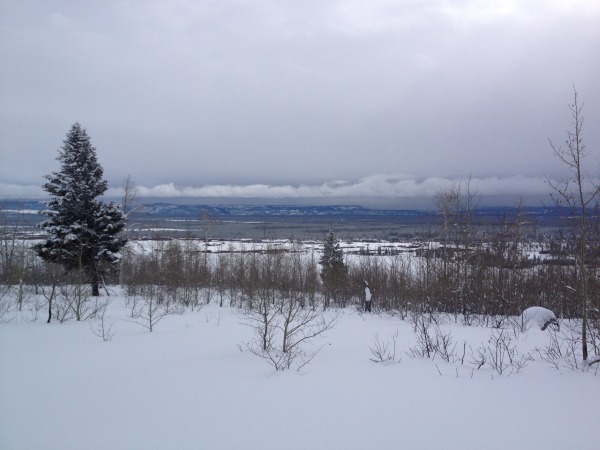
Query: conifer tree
(333,269)
(84,233)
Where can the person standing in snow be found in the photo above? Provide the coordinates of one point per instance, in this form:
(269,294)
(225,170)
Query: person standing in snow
(367,298)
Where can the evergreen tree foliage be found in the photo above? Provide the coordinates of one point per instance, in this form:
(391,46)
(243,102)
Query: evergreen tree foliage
(334,271)
(84,233)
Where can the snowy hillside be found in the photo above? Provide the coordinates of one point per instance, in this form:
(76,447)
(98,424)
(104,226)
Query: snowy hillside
(193,384)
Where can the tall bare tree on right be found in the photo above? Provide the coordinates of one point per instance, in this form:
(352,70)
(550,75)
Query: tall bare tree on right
(578,194)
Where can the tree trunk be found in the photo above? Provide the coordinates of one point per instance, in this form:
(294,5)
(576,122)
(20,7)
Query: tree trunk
(95,284)
(50,302)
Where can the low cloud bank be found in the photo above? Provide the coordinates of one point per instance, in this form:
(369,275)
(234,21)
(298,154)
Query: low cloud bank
(384,186)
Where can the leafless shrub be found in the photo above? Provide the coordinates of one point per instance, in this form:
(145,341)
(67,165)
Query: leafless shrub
(464,353)
(148,311)
(170,301)
(500,354)
(480,358)
(6,305)
(432,341)
(499,351)
(21,294)
(425,346)
(445,345)
(131,302)
(563,348)
(284,328)
(497,321)
(594,340)
(262,319)
(102,328)
(61,306)
(384,351)
(519,324)
(75,301)
(555,352)
(33,307)
(468,319)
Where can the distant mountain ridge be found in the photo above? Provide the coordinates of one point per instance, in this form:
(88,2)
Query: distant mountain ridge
(173,211)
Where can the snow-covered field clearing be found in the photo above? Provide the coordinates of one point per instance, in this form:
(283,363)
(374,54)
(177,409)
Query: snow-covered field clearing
(354,251)
(192,384)
(218,245)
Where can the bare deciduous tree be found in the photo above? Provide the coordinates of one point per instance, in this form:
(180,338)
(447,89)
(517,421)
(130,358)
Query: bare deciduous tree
(150,309)
(457,205)
(129,191)
(102,328)
(283,321)
(577,193)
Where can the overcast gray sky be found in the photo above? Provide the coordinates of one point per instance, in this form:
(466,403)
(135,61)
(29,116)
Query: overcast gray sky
(307,98)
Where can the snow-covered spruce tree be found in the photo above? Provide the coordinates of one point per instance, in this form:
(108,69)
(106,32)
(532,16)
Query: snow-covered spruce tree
(334,271)
(84,233)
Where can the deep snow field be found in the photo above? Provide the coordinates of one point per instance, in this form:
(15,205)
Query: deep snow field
(191,384)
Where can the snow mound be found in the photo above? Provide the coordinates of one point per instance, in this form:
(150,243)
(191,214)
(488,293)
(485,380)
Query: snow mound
(542,317)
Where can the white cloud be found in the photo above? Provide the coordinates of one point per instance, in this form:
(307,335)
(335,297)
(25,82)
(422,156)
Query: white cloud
(382,185)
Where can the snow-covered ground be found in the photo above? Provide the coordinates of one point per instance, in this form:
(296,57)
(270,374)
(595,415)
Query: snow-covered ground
(191,384)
